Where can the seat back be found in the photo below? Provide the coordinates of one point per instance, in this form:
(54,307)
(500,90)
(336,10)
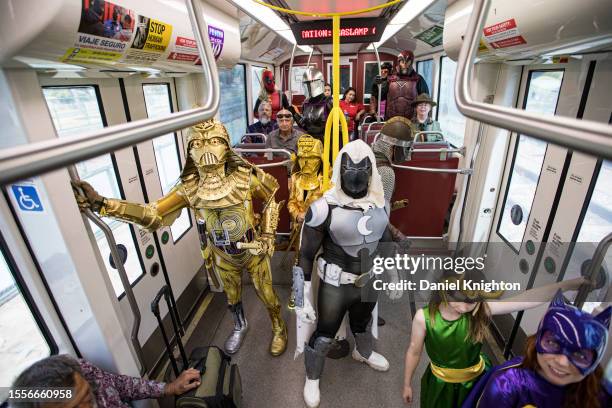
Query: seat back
(429,195)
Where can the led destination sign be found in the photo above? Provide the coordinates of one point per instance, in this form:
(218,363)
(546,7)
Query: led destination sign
(352,30)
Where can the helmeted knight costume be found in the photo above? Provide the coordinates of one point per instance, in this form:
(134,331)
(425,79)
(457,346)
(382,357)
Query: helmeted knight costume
(404,86)
(566,330)
(316,106)
(348,223)
(392,146)
(220,187)
(269,93)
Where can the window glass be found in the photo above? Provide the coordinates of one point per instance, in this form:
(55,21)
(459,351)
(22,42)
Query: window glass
(256,74)
(370,72)
(233,108)
(597,223)
(542,95)
(158,103)
(21,340)
(451,120)
(426,70)
(75,110)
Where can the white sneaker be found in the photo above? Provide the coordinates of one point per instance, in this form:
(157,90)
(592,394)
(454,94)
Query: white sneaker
(312,395)
(376,361)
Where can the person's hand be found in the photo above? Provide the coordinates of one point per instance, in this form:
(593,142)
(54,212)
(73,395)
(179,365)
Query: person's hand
(87,196)
(574,284)
(407,394)
(378,79)
(188,380)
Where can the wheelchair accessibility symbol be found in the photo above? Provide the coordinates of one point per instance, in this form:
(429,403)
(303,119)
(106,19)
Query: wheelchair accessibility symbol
(27,197)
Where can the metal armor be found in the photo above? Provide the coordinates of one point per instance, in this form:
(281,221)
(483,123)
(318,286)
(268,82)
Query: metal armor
(314,115)
(401,95)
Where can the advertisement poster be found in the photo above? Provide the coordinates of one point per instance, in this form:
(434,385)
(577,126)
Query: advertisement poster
(432,36)
(217,38)
(185,50)
(503,35)
(150,41)
(104,33)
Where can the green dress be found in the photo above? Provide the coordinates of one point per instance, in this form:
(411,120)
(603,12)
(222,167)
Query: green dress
(447,347)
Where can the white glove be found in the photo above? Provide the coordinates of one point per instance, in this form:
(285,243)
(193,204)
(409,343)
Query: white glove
(307,313)
(394,294)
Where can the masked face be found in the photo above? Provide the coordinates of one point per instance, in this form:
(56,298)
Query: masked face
(208,152)
(355,177)
(400,154)
(268,80)
(404,62)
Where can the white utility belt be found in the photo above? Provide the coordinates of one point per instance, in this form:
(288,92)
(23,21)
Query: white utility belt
(334,275)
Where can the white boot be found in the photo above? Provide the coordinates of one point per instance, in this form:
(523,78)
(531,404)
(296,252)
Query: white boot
(376,361)
(312,395)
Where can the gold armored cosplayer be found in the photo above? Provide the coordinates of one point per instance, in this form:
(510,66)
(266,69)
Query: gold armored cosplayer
(220,187)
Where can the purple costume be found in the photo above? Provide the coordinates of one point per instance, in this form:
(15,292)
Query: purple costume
(566,330)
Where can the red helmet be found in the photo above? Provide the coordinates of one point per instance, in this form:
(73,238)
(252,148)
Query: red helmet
(404,56)
(268,80)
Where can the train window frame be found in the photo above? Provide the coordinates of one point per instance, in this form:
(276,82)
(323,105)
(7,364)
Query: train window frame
(438,107)
(178,153)
(433,74)
(514,156)
(246,101)
(23,290)
(368,95)
(254,68)
(103,118)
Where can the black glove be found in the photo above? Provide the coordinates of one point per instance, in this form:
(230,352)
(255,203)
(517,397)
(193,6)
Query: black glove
(379,80)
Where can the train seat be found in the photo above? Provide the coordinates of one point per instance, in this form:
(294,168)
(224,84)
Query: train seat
(254,138)
(429,194)
(280,173)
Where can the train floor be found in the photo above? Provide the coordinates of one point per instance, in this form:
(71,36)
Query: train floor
(278,381)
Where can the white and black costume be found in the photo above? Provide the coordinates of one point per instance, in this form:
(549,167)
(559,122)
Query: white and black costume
(348,223)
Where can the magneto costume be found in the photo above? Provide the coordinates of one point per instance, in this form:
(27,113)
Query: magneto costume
(563,330)
(271,94)
(404,86)
(348,223)
(220,187)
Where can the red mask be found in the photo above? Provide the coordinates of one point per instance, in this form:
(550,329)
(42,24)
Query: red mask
(268,80)
(406,56)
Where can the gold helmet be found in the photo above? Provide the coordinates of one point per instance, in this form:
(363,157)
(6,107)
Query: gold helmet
(308,146)
(204,146)
(207,130)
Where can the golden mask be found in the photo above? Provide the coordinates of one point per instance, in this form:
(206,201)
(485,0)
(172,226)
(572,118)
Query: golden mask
(208,143)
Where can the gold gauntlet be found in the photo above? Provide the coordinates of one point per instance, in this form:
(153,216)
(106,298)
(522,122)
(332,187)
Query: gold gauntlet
(269,219)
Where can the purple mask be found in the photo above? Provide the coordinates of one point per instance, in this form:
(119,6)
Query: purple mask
(578,335)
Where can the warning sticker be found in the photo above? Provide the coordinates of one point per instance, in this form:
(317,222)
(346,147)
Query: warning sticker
(150,41)
(185,50)
(503,35)
(105,30)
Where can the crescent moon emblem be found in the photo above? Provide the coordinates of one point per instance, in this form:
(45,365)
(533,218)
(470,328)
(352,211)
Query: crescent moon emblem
(362,225)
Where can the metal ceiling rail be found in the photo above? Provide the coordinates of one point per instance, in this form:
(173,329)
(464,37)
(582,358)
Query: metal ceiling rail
(582,135)
(20,162)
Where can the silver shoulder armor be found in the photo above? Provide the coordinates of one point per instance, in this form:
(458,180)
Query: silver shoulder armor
(317,212)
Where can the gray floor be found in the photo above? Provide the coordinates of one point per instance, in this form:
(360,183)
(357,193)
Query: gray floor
(278,381)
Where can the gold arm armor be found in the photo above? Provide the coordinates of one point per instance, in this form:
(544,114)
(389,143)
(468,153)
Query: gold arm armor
(265,186)
(161,213)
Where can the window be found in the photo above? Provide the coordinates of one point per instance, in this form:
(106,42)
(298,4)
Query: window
(256,81)
(22,342)
(75,110)
(597,223)
(345,77)
(233,107)
(159,103)
(451,120)
(426,70)
(542,93)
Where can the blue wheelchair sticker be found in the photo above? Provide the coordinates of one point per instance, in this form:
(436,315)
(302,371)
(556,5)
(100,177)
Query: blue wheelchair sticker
(27,197)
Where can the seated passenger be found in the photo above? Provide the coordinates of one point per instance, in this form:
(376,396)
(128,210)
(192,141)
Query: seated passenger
(286,136)
(560,367)
(265,125)
(453,328)
(422,120)
(94,387)
(353,110)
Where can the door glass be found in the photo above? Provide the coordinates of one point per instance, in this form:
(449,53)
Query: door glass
(158,103)
(345,78)
(233,107)
(451,120)
(426,70)
(75,110)
(21,340)
(256,81)
(596,225)
(542,94)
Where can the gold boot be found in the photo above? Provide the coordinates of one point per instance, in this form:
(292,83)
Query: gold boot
(278,345)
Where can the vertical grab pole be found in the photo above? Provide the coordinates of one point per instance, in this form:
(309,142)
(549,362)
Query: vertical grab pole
(379,85)
(336,87)
(289,76)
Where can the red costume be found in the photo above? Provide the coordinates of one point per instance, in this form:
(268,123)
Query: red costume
(271,94)
(404,86)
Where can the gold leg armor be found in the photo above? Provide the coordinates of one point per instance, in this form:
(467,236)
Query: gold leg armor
(261,275)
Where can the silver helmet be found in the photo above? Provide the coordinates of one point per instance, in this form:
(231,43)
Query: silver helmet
(313,82)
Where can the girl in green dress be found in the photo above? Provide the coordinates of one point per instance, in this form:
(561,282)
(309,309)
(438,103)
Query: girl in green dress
(452,328)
